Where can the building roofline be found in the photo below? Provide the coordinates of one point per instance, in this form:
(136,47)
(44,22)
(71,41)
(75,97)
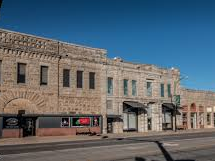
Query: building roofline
(197,90)
(54,40)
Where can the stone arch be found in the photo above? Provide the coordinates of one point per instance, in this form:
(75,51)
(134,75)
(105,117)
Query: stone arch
(22,98)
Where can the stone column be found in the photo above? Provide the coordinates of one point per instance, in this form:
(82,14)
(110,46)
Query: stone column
(140,120)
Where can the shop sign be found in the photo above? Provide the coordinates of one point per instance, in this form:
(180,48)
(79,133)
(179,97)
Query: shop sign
(81,121)
(65,122)
(10,123)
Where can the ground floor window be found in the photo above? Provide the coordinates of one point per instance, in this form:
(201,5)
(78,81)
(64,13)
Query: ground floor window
(184,119)
(201,120)
(130,121)
(208,118)
(193,120)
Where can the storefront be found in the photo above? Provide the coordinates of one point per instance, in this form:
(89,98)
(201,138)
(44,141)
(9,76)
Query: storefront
(130,115)
(49,125)
(167,116)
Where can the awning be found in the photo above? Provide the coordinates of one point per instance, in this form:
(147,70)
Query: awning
(113,116)
(171,107)
(135,104)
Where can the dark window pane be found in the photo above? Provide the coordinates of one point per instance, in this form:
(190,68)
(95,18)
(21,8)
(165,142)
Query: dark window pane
(125,82)
(110,85)
(66,78)
(162,90)
(21,72)
(92,80)
(79,79)
(44,75)
(169,90)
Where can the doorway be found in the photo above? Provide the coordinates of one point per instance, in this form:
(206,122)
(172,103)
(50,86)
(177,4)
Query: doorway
(110,125)
(193,120)
(29,126)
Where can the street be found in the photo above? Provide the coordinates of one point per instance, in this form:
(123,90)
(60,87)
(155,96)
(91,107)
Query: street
(183,147)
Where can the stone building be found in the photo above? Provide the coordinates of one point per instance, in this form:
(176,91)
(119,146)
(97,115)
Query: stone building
(49,87)
(139,97)
(198,108)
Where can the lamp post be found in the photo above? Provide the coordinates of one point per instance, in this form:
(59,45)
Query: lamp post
(175,101)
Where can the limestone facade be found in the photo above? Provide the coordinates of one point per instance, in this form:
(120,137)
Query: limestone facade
(54,98)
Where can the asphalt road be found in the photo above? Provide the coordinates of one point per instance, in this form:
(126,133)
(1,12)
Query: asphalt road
(183,147)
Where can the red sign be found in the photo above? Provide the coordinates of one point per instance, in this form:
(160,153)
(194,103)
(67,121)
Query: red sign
(84,121)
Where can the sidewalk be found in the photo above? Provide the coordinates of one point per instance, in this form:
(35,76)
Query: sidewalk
(50,139)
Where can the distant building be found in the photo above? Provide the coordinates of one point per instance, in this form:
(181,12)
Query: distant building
(48,87)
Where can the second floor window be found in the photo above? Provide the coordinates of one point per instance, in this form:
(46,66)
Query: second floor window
(92,80)
(169,90)
(149,89)
(110,86)
(79,79)
(21,73)
(162,90)
(44,75)
(66,78)
(125,86)
(134,87)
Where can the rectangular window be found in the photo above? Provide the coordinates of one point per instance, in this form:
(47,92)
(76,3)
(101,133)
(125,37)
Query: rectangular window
(208,118)
(66,78)
(44,75)
(110,86)
(125,83)
(92,80)
(0,71)
(169,90)
(21,72)
(134,87)
(162,90)
(79,79)
(149,89)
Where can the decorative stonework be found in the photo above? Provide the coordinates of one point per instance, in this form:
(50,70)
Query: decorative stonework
(10,96)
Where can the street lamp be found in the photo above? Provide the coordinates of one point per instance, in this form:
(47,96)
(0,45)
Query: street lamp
(175,98)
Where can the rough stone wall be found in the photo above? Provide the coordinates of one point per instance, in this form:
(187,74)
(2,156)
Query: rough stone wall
(53,98)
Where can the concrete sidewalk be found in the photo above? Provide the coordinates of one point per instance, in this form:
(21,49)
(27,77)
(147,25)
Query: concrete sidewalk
(50,139)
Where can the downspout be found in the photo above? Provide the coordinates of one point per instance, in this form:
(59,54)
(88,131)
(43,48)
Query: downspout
(58,75)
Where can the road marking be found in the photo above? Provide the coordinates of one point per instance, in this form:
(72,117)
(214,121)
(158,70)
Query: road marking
(169,144)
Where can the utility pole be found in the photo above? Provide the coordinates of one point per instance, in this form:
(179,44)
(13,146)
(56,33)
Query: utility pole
(176,99)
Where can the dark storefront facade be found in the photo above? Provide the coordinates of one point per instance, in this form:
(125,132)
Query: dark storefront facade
(49,125)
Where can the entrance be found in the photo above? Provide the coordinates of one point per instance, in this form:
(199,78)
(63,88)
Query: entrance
(29,126)
(110,125)
(193,120)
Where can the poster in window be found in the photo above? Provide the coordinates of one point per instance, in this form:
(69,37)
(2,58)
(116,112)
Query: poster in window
(81,121)
(10,122)
(95,121)
(65,122)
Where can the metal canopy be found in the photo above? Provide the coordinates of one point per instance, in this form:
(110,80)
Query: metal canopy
(135,104)
(113,116)
(171,107)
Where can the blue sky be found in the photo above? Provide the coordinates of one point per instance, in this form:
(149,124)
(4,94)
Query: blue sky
(167,33)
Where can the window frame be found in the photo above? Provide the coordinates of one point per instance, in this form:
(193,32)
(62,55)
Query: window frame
(149,93)
(134,87)
(79,80)
(92,81)
(41,75)
(110,86)
(125,87)
(21,78)
(66,83)
(162,90)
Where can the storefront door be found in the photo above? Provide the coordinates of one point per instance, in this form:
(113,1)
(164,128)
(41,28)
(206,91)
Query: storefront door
(109,125)
(28,126)
(193,120)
